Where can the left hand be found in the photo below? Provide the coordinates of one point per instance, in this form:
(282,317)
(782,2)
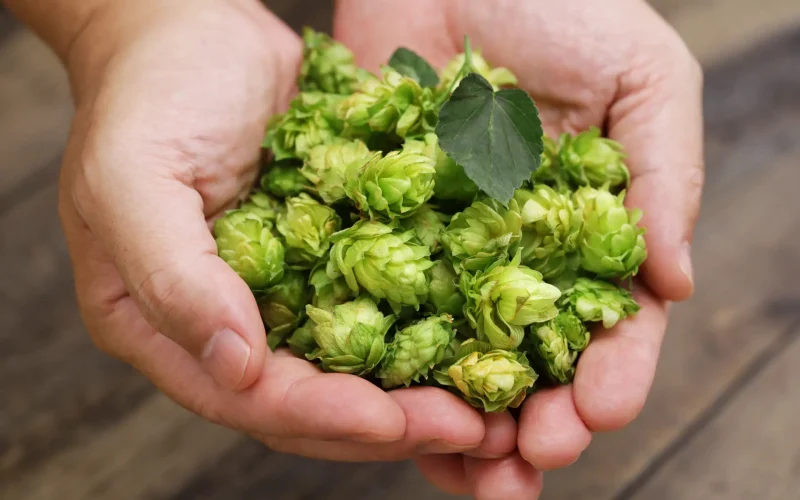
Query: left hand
(616,65)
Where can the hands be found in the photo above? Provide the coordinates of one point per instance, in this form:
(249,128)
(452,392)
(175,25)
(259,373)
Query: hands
(612,64)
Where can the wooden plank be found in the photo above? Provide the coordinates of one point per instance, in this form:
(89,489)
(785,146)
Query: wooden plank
(749,450)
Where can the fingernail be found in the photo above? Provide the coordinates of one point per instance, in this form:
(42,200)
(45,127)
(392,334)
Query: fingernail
(686,261)
(225,358)
(441,447)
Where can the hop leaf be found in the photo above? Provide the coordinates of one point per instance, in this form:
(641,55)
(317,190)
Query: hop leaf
(262,205)
(611,246)
(551,229)
(351,337)
(498,77)
(593,300)
(451,182)
(592,160)
(395,104)
(245,242)
(392,186)
(427,225)
(494,380)
(557,344)
(385,263)
(282,306)
(504,299)
(445,296)
(482,234)
(328,66)
(306,226)
(328,165)
(328,292)
(310,121)
(283,181)
(415,350)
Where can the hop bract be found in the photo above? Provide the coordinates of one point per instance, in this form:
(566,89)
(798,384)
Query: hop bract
(498,77)
(551,172)
(445,296)
(301,342)
(504,299)
(383,262)
(283,181)
(262,205)
(415,350)
(395,104)
(310,121)
(592,160)
(611,245)
(282,305)
(558,343)
(494,381)
(551,228)
(351,337)
(392,186)
(481,234)
(594,300)
(327,167)
(427,225)
(328,292)
(245,242)
(306,227)
(451,182)
(328,66)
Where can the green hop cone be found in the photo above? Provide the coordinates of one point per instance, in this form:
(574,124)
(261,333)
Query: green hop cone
(551,172)
(611,245)
(504,299)
(301,342)
(482,233)
(427,225)
(328,66)
(395,104)
(493,381)
(262,205)
(282,306)
(557,344)
(328,292)
(306,227)
(594,300)
(445,296)
(451,182)
(245,242)
(382,261)
(327,167)
(392,186)
(283,181)
(551,229)
(415,350)
(498,77)
(310,121)
(592,160)
(351,337)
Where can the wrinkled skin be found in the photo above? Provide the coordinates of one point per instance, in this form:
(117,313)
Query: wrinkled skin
(613,64)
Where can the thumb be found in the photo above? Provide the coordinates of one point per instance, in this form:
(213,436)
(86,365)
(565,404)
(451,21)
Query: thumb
(154,227)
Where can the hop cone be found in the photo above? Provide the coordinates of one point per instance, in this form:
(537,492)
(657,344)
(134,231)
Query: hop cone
(481,234)
(328,292)
(415,350)
(395,104)
(306,227)
(387,264)
(351,337)
(282,305)
(328,66)
(498,77)
(301,342)
(593,300)
(445,296)
(551,228)
(611,245)
(262,205)
(551,172)
(557,345)
(591,160)
(245,242)
(283,181)
(427,225)
(504,299)
(494,380)
(327,167)
(392,186)
(451,182)
(310,121)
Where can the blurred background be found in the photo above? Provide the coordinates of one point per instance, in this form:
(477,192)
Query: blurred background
(721,421)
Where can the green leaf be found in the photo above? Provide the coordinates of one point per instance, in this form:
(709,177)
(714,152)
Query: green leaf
(495,136)
(409,63)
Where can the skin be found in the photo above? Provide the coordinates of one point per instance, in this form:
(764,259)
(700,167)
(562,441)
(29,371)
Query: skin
(171,102)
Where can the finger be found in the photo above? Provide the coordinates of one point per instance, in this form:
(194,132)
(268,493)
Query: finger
(616,371)
(445,472)
(509,478)
(500,438)
(551,434)
(658,119)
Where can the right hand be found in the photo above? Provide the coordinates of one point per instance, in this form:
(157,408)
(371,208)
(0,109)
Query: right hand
(172,99)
